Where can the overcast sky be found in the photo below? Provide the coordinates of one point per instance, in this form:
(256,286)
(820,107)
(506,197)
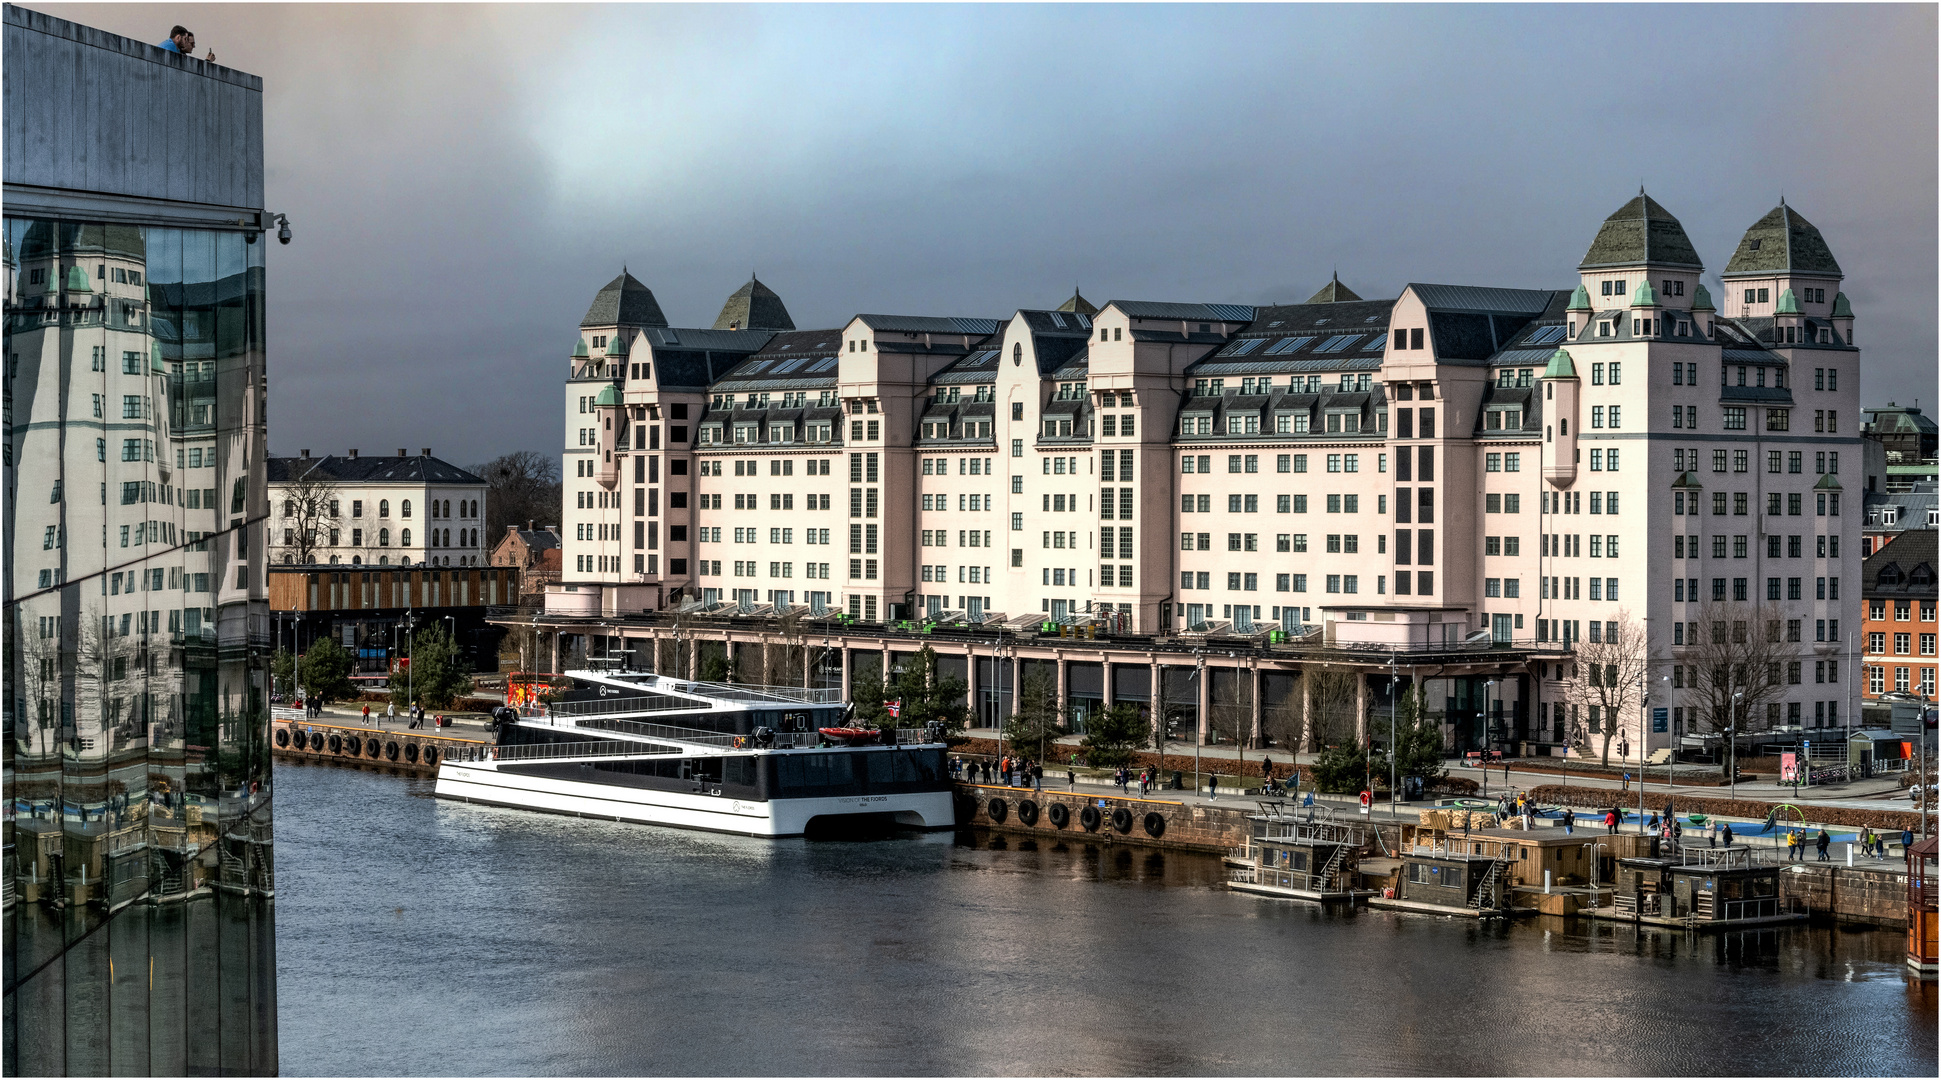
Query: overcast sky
(461,180)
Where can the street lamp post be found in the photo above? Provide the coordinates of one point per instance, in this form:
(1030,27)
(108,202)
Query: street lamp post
(1199,669)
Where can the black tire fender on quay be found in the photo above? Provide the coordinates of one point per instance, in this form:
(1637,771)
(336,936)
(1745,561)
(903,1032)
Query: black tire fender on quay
(1155,824)
(354,746)
(372,749)
(1027,812)
(1060,815)
(411,752)
(282,737)
(431,755)
(1122,820)
(317,741)
(997,809)
(1090,818)
(391,751)
(336,744)
(966,807)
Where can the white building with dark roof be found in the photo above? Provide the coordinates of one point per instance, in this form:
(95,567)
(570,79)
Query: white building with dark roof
(406,510)
(1460,467)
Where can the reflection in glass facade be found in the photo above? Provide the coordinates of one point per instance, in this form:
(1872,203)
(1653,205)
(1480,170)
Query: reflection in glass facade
(139,892)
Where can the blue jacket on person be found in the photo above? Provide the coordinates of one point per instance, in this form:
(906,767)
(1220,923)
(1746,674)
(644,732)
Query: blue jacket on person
(169,45)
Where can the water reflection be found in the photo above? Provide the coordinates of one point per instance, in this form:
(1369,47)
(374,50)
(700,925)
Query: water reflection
(551,945)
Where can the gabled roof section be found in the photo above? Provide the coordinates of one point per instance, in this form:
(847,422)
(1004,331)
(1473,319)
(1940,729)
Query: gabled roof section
(1641,233)
(1782,242)
(624,302)
(368,470)
(930,324)
(1904,567)
(804,343)
(1334,292)
(1488,300)
(1157,309)
(754,306)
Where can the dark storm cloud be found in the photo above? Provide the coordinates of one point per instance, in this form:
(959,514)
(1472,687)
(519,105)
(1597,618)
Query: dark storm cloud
(463,179)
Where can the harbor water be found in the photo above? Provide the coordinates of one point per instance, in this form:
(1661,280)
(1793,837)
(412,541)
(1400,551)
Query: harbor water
(417,936)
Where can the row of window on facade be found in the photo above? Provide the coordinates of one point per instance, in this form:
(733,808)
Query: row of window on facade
(1827,546)
(1903,643)
(1825,503)
(440,538)
(1906,680)
(440,508)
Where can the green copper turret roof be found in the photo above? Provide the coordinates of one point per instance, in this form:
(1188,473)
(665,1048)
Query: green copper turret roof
(77,280)
(1701,300)
(1842,307)
(619,345)
(1561,366)
(1644,295)
(1788,304)
(754,306)
(1334,292)
(608,396)
(1580,300)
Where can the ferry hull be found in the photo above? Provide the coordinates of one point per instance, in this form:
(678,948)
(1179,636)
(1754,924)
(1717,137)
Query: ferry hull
(479,783)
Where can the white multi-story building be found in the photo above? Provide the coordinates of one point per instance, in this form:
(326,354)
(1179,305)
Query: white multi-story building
(376,511)
(1520,470)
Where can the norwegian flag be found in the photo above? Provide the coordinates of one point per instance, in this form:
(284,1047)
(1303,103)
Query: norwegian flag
(895,707)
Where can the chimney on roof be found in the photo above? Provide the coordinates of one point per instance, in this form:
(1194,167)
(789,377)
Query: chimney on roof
(353,453)
(427,451)
(401,452)
(306,455)
(528,524)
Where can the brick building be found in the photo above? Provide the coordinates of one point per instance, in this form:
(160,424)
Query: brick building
(1900,629)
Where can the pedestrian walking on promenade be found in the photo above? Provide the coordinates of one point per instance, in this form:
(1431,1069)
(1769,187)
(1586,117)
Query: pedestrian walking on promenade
(1213,786)
(1037,777)
(1611,821)
(1907,840)
(367,714)
(1654,821)
(391,712)
(1820,844)
(1795,843)
(1727,834)
(1570,822)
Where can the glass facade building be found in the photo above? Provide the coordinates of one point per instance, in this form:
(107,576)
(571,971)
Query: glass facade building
(139,884)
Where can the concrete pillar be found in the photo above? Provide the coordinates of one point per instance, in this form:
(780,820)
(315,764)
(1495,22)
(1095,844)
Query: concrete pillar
(1158,703)
(1307,713)
(693,659)
(1105,671)
(1200,706)
(555,654)
(1361,708)
(843,647)
(1253,681)
(970,686)
(1062,681)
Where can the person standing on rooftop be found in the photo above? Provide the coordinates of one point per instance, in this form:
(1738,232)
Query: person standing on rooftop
(183,42)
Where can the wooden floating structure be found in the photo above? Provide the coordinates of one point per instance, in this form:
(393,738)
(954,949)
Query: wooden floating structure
(1699,888)
(1314,859)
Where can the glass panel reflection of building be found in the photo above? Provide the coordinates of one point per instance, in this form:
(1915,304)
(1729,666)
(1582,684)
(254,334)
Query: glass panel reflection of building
(139,893)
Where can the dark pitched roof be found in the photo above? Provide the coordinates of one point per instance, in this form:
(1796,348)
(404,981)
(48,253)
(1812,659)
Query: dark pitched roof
(1160,309)
(1782,242)
(624,302)
(1334,292)
(1641,232)
(1904,567)
(368,470)
(804,343)
(754,306)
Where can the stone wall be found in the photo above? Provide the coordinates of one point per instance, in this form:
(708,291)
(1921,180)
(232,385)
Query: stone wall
(1188,828)
(1869,895)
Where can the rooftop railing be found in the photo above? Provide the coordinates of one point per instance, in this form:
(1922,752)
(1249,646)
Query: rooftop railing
(558,751)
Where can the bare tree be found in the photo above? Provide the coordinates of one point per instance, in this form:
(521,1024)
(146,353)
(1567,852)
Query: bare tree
(1233,719)
(1331,698)
(1286,723)
(1605,687)
(521,486)
(1736,667)
(310,510)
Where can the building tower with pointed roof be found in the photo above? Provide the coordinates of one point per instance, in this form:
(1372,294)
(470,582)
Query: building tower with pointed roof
(1640,244)
(754,306)
(1783,269)
(1334,292)
(624,302)
(1079,305)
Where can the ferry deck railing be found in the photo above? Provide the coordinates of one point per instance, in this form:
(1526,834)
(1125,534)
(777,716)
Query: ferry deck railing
(556,751)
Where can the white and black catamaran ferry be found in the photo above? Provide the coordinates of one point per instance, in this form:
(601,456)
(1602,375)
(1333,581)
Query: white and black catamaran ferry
(755,760)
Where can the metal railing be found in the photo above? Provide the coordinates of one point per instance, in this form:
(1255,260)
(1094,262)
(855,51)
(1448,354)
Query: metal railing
(557,751)
(631,703)
(796,695)
(670,732)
